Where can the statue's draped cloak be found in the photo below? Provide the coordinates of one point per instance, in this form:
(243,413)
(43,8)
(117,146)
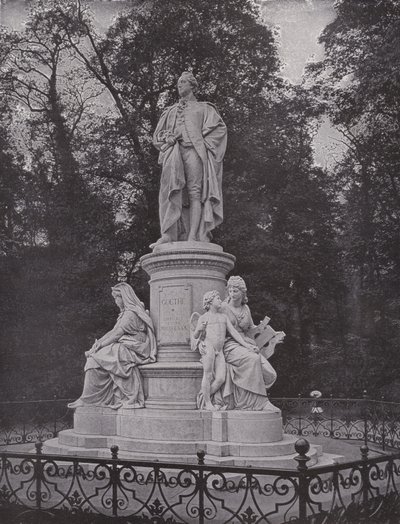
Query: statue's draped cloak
(208,134)
(112,377)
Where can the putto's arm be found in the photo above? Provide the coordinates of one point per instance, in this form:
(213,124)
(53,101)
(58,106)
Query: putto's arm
(201,327)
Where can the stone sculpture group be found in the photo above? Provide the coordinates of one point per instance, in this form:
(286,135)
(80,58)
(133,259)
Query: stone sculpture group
(191,137)
(236,374)
(193,372)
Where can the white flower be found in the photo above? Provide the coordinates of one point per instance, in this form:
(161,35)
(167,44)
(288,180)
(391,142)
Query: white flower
(315,394)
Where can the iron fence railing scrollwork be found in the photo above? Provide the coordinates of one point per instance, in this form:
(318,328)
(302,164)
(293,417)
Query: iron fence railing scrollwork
(374,421)
(39,488)
(29,421)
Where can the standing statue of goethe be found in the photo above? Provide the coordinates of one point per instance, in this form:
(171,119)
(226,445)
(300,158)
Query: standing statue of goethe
(191,137)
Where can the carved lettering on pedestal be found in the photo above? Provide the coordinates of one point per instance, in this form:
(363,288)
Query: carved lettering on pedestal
(175,306)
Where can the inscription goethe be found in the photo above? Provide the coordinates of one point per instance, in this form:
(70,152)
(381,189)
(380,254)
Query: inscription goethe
(175,305)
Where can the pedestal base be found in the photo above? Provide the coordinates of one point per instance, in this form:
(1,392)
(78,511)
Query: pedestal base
(241,438)
(171,385)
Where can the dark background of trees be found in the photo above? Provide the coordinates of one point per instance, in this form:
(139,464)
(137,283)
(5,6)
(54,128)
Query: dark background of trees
(318,248)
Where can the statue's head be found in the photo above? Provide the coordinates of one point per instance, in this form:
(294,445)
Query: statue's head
(125,297)
(235,286)
(187,83)
(208,299)
(117,296)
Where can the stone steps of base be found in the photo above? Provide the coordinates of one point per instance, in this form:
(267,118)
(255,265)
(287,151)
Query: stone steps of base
(279,462)
(221,449)
(326,459)
(282,462)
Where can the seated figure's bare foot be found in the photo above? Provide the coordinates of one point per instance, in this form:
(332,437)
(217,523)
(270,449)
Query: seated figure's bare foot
(77,404)
(210,407)
(192,238)
(165,239)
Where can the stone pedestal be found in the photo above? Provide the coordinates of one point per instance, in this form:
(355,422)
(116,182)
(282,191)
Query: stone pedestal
(240,438)
(180,274)
(230,437)
(171,385)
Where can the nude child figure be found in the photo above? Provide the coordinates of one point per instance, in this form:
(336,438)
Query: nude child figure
(212,328)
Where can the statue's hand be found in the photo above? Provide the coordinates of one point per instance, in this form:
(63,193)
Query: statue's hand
(95,347)
(202,348)
(203,330)
(252,347)
(170,140)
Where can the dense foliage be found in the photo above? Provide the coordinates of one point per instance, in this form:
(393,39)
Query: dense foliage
(79,182)
(359,83)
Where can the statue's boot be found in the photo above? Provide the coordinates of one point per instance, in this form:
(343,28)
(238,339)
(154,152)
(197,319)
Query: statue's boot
(165,239)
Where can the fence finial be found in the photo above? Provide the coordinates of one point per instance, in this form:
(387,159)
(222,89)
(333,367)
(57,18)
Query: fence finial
(114,452)
(200,456)
(364,452)
(302,447)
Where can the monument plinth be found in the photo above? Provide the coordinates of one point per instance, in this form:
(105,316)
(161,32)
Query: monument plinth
(180,273)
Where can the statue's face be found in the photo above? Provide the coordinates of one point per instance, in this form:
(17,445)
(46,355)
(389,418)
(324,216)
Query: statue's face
(118,300)
(217,302)
(235,293)
(184,86)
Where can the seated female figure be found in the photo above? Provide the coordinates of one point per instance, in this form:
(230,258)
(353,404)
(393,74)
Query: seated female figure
(112,378)
(249,374)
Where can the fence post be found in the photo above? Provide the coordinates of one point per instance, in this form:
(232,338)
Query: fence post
(38,470)
(299,431)
(114,473)
(331,414)
(383,423)
(302,447)
(200,460)
(54,416)
(23,421)
(365,415)
(365,475)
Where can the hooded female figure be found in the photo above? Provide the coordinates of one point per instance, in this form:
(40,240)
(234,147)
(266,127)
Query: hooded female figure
(112,378)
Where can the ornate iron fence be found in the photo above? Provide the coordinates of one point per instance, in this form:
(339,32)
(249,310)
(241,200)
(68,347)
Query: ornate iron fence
(38,488)
(373,421)
(29,421)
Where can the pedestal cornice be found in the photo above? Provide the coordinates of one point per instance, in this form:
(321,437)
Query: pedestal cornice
(182,255)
